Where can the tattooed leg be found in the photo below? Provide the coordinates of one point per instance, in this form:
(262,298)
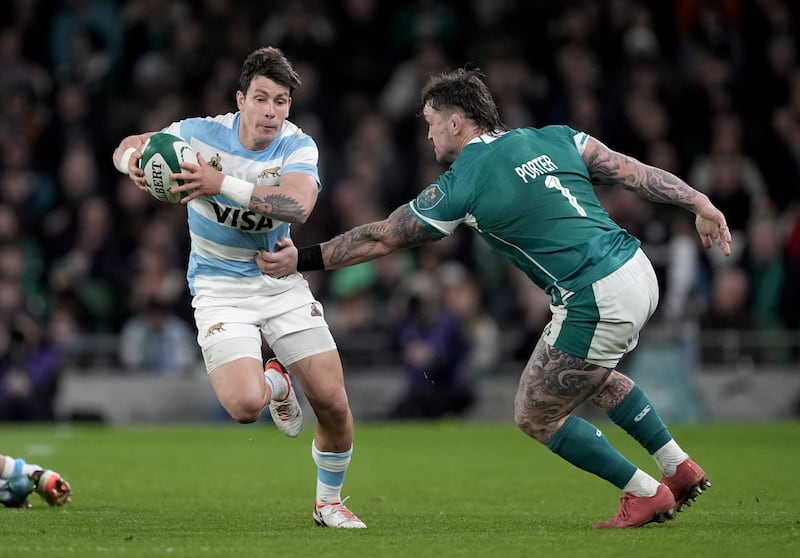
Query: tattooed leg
(552,385)
(614,390)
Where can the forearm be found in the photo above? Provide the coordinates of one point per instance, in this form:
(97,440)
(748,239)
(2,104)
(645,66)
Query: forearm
(609,168)
(340,251)
(660,186)
(361,244)
(367,242)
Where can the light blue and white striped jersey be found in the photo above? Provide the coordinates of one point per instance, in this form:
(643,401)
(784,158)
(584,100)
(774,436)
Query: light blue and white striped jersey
(224,235)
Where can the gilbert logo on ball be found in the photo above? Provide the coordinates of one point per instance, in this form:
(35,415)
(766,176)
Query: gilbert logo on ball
(161,158)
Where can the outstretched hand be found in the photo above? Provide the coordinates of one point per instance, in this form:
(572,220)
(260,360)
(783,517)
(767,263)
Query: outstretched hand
(713,229)
(281,262)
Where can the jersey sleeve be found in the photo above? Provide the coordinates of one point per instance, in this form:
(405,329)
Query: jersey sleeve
(174,128)
(186,128)
(441,206)
(577,138)
(303,156)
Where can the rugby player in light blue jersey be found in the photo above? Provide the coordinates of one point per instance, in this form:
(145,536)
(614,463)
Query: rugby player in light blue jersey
(18,479)
(256,173)
(529,193)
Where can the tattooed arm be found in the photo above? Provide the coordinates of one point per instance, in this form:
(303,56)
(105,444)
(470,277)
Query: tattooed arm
(361,244)
(610,168)
(374,240)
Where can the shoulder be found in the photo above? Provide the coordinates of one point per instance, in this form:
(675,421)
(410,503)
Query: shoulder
(292,134)
(566,134)
(206,126)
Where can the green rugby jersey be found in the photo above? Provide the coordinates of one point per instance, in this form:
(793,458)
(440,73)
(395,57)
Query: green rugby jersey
(527,193)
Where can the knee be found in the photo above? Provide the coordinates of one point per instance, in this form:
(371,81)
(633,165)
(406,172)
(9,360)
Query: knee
(244,410)
(530,423)
(332,409)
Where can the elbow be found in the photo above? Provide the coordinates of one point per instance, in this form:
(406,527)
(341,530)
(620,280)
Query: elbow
(303,216)
(304,208)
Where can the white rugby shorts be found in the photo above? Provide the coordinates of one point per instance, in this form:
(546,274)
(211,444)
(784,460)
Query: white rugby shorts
(601,323)
(292,323)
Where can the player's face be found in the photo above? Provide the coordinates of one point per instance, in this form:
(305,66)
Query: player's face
(263,107)
(442,134)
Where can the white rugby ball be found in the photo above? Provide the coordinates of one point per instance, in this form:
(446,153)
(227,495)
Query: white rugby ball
(162,154)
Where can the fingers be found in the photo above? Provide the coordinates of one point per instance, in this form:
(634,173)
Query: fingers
(277,263)
(721,237)
(724,240)
(713,229)
(283,242)
(265,262)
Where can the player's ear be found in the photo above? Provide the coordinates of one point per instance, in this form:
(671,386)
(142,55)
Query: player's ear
(456,122)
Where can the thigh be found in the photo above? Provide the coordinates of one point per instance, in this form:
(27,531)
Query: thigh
(311,356)
(240,384)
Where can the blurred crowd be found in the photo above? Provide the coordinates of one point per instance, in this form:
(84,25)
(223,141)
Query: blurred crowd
(92,270)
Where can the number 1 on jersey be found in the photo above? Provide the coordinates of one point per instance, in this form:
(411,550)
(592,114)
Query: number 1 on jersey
(553,182)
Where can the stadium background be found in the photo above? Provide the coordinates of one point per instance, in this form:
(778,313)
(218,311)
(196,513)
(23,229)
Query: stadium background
(89,265)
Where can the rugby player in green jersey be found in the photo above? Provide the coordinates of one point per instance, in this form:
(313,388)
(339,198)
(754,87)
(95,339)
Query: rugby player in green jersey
(530,194)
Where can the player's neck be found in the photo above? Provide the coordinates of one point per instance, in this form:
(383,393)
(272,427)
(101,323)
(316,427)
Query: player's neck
(469,136)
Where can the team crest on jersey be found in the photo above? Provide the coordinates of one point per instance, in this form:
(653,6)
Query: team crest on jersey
(430,197)
(272,172)
(216,162)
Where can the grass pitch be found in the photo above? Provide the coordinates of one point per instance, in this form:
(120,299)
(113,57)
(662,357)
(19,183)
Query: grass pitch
(425,490)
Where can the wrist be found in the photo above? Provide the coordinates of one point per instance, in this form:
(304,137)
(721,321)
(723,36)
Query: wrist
(700,202)
(125,160)
(310,258)
(237,190)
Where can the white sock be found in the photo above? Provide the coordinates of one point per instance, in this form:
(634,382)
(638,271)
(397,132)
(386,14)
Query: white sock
(328,494)
(277,382)
(669,456)
(331,470)
(642,484)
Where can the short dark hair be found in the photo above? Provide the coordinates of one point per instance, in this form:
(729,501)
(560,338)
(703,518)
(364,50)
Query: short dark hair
(271,63)
(465,90)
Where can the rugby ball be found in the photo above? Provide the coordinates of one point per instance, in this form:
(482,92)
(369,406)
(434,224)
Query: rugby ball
(162,154)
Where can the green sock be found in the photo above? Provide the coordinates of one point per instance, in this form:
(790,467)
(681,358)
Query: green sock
(637,416)
(585,446)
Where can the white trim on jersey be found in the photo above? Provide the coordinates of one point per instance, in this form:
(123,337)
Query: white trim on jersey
(445,227)
(580,140)
(212,250)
